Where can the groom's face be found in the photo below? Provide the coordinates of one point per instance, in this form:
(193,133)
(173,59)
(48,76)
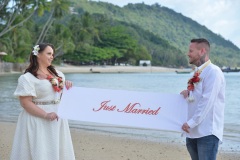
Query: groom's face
(194,54)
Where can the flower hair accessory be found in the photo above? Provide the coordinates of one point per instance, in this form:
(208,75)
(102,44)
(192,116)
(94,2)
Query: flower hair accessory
(35,50)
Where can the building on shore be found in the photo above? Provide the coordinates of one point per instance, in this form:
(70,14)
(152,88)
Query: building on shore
(144,63)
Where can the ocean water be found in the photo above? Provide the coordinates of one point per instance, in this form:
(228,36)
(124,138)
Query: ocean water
(149,82)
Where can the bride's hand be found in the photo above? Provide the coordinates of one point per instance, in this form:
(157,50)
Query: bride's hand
(185,93)
(68,84)
(51,116)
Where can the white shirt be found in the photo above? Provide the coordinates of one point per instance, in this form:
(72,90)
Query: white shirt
(206,112)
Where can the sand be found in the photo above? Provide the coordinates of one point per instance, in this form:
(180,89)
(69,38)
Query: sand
(90,145)
(113,69)
(65,68)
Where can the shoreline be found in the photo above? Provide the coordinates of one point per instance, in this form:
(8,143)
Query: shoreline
(93,145)
(112,69)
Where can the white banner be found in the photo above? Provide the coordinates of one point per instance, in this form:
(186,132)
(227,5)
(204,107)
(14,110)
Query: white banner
(125,108)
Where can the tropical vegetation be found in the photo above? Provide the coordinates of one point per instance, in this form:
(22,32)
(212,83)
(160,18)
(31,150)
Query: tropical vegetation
(95,33)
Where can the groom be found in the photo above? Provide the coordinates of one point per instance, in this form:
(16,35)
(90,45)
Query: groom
(206,101)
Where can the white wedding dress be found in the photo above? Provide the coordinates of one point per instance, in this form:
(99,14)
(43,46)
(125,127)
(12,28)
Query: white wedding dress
(37,138)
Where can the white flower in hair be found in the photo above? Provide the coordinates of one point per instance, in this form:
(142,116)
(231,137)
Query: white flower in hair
(35,50)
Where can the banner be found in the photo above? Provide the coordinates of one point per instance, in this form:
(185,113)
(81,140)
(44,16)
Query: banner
(124,108)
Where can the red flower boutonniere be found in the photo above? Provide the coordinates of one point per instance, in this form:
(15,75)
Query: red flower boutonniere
(194,80)
(57,83)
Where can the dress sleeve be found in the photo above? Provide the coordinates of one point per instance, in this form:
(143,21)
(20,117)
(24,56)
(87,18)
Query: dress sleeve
(61,74)
(25,87)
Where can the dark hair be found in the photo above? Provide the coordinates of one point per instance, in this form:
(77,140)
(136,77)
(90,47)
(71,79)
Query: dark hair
(34,66)
(201,40)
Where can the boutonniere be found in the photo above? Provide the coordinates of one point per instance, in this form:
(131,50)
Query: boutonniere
(195,80)
(57,83)
(192,82)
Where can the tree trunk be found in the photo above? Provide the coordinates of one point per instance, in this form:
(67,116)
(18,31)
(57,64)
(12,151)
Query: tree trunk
(45,28)
(8,28)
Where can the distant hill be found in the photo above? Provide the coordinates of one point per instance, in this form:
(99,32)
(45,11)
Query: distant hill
(165,23)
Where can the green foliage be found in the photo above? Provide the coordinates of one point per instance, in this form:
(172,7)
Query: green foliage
(8,58)
(102,33)
(169,25)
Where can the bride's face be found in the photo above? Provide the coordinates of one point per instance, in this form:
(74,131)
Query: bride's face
(45,58)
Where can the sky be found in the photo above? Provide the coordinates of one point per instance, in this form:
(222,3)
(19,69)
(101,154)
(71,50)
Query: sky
(220,16)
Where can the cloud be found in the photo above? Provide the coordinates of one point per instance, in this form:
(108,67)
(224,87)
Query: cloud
(220,16)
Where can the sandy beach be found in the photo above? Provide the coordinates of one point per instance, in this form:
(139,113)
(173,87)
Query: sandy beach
(114,69)
(90,145)
(65,68)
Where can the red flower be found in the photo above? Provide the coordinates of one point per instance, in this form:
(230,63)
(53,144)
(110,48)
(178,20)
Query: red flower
(193,80)
(57,83)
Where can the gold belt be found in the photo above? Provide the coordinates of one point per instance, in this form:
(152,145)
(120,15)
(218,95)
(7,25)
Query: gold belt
(46,102)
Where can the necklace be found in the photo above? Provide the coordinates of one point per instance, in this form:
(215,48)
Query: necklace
(195,79)
(204,66)
(56,82)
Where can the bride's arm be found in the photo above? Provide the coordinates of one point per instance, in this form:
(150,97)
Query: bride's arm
(33,109)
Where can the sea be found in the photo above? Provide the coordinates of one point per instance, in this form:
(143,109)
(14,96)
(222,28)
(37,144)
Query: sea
(143,82)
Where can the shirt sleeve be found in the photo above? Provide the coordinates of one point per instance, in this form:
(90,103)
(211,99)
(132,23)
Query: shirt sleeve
(25,87)
(211,88)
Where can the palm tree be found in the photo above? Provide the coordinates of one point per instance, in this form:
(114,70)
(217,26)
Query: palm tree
(3,4)
(58,8)
(14,13)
